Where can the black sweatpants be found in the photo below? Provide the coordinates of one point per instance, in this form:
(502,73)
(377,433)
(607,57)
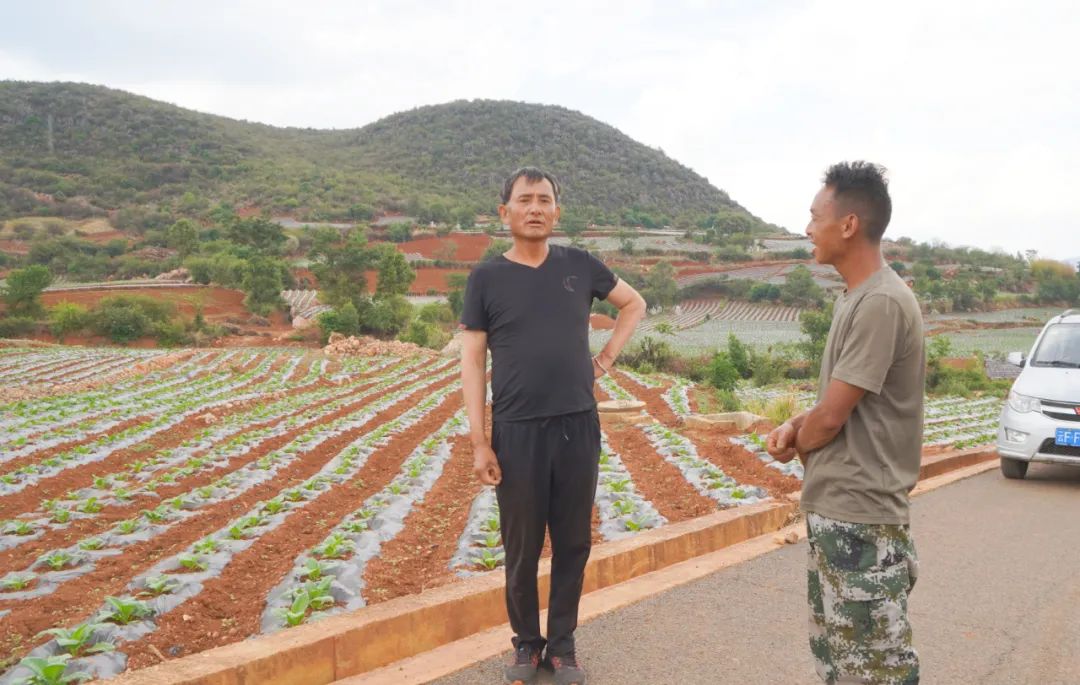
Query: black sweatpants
(549,471)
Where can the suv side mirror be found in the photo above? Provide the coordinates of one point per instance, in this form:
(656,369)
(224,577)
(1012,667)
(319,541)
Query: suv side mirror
(1016,359)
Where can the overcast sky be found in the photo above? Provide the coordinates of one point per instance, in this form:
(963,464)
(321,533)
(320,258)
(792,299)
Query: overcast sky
(973,107)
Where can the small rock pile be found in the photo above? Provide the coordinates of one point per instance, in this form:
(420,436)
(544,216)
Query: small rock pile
(339,345)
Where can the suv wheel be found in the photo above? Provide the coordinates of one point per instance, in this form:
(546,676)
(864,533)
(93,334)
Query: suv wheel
(1013,468)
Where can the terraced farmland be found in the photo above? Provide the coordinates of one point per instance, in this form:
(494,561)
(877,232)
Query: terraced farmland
(132,511)
(304,303)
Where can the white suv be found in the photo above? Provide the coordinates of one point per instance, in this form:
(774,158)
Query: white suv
(1041,420)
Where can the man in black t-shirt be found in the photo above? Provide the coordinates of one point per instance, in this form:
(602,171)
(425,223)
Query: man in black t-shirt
(530,307)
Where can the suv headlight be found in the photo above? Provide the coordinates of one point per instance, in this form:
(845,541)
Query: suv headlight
(1023,404)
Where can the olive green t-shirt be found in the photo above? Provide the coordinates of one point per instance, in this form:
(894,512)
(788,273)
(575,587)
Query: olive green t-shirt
(876,343)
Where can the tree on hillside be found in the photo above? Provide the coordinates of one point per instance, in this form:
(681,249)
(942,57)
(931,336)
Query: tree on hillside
(456,295)
(660,287)
(395,274)
(815,326)
(263,284)
(340,267)
(1055,281)
(23,290)
(183,236)
(496,248)
(262,235)
(400,232)
(800,289)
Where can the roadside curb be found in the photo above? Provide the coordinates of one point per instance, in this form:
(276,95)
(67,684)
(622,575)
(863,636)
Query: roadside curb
(416,638)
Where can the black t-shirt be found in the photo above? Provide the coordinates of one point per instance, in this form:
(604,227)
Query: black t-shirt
(537,324)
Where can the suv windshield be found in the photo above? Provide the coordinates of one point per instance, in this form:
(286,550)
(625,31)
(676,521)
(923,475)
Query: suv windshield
(1060,346)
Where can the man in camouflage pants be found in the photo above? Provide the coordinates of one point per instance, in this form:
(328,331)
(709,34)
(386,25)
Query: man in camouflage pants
(861,443)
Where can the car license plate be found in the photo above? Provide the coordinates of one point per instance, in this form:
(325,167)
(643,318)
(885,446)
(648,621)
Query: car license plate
(1067,437)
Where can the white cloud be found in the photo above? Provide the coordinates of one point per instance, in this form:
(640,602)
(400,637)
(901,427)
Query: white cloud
(971,105)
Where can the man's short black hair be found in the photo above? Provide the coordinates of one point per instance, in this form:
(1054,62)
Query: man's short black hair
(862,189)
(534,175)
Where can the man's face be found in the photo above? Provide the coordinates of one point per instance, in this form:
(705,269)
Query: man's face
(531,213)
(828,227)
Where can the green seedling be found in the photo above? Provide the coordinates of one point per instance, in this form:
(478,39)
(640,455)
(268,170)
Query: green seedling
(294,495)
(294,614)
(621,485)
(192,562)
(91,544)
(19,528)
(623,507)
(124,610)
(336,546)
(633,525)
(253,521)
(13,582)
(273,506)
(59,559)
(354,526)
(127,526)
(90,505)
(492,540)
(160,585)
(177,502)
(207,546)
(156,515)
(50,671)
(60,515)
(314,569)
(77,641)
(490,559)
(318,593)
(490,524)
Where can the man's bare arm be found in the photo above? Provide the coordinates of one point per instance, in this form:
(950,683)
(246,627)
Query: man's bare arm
(825,420)
(474,382)
(474,388)
(631,306)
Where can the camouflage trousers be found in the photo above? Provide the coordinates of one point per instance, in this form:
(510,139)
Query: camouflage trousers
(858,579)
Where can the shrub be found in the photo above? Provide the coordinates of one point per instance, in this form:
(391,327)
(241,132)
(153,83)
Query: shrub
(66,318)
(124,318)
(23,288)
(769,366)
(722,372)
(657,354)
(739,354)
(729,401)
(16,326)
(344,320)
(387,316)
(171,333)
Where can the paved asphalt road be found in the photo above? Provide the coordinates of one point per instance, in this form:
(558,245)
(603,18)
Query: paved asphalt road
(997,601)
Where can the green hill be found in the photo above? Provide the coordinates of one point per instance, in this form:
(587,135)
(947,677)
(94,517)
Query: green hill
(78,150)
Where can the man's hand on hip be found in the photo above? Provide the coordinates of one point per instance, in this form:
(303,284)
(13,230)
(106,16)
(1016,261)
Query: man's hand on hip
(485,465)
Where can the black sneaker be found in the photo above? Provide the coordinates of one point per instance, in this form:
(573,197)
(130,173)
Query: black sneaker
(566,669)
(523,664)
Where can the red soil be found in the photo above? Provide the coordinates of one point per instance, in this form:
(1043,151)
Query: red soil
(19,247)
(466,247)
(427,279)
